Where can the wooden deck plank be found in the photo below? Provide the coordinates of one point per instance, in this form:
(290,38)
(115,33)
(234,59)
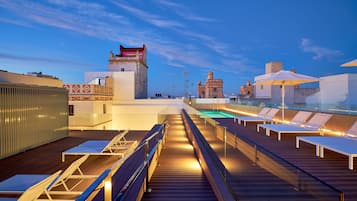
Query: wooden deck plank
(46,159)
(250,182)
(179,176)
(333,169)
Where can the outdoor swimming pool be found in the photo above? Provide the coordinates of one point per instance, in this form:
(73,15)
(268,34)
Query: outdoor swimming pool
(215,114)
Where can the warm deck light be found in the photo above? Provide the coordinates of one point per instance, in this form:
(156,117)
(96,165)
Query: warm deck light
(324,130)
(184,146)
(196,165)
(41,116)
(189,165)
(338,133)
(107,190)
(240,112)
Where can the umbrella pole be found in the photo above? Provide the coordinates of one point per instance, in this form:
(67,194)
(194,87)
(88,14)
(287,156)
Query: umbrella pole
(283,101)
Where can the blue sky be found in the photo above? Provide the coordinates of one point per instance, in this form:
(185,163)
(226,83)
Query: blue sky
(233,38)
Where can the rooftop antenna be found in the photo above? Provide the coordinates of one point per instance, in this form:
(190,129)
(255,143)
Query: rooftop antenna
(185,84)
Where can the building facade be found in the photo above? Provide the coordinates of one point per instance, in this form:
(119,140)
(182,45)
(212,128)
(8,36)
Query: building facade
(132,60)
(272,93)
(336,90)
(90,105)
(33,112)
(247,90)
(213,88)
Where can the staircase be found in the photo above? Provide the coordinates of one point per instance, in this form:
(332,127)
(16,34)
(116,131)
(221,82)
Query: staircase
(179,175)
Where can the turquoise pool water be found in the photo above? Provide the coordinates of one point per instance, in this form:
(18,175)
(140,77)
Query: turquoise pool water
(215,114)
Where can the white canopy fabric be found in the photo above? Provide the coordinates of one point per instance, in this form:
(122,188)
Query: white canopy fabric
(350,64)
(284,78)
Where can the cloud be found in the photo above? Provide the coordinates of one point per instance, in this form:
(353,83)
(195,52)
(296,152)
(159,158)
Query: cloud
(238,67)
(180,28)
(148,17)
(183,11)
(76,17)
(96,20)
(319,52)
(42,60)
(16,22)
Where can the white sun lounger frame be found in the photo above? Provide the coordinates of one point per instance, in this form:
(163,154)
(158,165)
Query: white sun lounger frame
(267,118)
(297,120)
(36,190)
(261,113)
(313,126)
(68,174)
(110,149)
(343,145)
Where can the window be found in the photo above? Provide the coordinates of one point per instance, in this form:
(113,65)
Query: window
(214,89)
(104,108)
(261,87)
(70,110)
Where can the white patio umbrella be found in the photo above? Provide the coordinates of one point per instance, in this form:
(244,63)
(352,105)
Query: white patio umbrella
(350,63)
(284,78)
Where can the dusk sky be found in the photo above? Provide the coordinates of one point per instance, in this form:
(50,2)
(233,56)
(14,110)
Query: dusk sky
(233,38)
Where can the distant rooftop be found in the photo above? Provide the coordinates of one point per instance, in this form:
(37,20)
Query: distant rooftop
(125,53)
(40,74)
(31,78)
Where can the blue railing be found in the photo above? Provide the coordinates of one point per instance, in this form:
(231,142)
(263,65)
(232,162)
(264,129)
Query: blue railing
(134,171)
(128,179)
(93,187)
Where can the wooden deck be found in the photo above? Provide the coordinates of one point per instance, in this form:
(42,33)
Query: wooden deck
(250,182)
(179,176)
(46,159)
(333,169)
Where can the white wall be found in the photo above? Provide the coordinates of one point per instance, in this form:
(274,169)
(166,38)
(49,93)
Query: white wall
(140,69)
(336,89)
(262,91)
(90,114)
(352,88)
(123,86)
(211,100)
(144,113)
(89,76)
(126,66)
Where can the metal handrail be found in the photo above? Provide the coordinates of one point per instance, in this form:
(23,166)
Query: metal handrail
(152,136)
(144,165)
(94,186)
(131,180)
(263,149)
(212,154)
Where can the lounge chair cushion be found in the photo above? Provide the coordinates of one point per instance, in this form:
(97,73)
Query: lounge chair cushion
(21,182)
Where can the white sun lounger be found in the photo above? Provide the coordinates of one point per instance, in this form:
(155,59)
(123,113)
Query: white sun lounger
(266,118)
(261,114)
(298,120)
(116,146)
(352,132)
(19,183)
(343,145)
(36,189)
(312,126)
